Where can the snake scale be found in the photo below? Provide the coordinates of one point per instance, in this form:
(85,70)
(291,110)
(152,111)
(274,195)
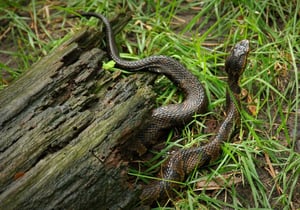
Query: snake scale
(182,162)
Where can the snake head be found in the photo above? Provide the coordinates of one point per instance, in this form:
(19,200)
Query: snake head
(235,64)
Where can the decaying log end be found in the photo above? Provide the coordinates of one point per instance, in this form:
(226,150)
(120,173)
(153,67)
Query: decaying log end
(60,125)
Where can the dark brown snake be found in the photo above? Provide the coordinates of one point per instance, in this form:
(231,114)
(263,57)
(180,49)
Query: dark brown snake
(184,161)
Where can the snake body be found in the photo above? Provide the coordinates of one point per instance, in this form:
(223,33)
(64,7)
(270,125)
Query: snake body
(165,117)
(182,162)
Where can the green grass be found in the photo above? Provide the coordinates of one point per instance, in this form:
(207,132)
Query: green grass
(268,129)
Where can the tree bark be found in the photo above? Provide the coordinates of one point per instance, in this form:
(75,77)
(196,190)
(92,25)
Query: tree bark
(61,124)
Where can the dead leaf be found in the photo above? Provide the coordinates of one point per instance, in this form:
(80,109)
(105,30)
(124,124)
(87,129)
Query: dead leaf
(220,182)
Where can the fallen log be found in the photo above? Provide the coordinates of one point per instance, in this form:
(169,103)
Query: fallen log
(61,123)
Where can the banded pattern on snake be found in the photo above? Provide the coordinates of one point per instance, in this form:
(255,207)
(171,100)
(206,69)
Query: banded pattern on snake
(182,162)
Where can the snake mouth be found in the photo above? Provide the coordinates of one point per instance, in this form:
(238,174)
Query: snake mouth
(236,62)
(240,51)
(235,65)
(242,46)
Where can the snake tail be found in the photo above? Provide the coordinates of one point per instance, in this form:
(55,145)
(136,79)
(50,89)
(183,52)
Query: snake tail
(165,117)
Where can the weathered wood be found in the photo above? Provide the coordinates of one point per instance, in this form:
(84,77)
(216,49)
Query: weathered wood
(61,123)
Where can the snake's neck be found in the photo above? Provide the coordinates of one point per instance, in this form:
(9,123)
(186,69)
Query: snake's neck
(225,130)
(232,117)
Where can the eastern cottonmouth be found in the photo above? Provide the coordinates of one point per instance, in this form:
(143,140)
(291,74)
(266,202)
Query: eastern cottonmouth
(184,161)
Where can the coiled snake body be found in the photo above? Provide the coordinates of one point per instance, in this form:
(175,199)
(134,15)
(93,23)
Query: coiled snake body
(183,161)
(162,118)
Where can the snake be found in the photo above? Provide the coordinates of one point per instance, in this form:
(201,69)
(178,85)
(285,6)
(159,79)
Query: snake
(184,161)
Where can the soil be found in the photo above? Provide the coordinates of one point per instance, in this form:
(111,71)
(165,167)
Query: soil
(242,189)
